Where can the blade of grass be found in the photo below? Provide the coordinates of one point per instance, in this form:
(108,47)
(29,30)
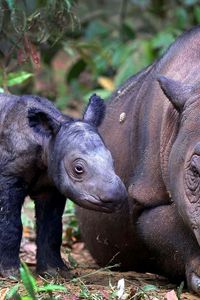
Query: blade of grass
(28,281)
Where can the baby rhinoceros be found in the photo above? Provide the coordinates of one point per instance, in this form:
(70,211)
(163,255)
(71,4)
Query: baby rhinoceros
(49,157)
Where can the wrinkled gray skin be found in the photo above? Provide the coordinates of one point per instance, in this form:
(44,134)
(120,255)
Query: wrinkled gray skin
(155,144)
(49,157)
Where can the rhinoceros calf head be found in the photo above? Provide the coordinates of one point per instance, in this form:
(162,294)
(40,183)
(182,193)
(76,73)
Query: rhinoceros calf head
(78,162)
(184,158)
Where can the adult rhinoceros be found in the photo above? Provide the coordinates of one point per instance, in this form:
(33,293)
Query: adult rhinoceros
(152,128)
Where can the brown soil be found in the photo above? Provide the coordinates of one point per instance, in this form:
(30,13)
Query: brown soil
(92,282)
(103,281)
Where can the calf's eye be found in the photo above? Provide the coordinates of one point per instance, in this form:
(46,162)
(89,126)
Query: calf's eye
(79,169)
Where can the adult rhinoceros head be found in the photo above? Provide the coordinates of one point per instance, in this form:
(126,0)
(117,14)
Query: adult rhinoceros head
(184,158)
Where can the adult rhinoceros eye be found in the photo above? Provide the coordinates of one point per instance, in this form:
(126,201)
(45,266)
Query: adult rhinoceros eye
(195,171)
(192,179)
(194,167)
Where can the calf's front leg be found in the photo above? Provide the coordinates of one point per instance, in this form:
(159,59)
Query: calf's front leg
(12,194)
(49,208)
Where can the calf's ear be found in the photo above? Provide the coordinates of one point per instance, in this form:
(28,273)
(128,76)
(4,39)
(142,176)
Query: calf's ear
(42,123)
(177,92)
(95,111)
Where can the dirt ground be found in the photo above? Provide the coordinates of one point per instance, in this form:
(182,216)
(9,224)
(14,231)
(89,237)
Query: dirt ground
(101,283)
(90,281)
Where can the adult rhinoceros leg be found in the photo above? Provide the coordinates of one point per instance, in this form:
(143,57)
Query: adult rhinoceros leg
(49,208)
(174,248)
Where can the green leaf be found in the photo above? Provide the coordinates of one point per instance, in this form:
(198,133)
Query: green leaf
(69,208)
(68,4)
(148,55)
(10,4)
(180,290)
(13,292)
(197,13)
(182,17)
(1,90)
(162,40)
(76,70)
(125,71)
(28,281)
(121,53)
(17,78)
(51,288)
(96,29)
(149,288)
(72,261)
(127,31)
(18,20)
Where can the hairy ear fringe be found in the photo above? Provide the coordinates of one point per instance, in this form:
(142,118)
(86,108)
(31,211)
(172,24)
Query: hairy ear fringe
(95,111)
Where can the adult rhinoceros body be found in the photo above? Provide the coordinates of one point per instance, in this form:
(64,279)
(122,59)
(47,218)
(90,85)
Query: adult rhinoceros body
(154,137)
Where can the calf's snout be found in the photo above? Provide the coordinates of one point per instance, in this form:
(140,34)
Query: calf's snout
(116,194)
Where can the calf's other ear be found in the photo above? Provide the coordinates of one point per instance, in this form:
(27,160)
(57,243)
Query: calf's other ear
(95,111)
(42,123)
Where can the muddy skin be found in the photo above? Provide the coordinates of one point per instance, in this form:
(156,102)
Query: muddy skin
(50,157)
(152,128)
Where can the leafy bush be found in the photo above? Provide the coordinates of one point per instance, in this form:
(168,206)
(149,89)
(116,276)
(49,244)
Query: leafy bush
(24,26)
(110,41)
(111,48)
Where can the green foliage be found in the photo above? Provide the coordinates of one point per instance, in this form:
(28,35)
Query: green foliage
(27,215)
(145,290)
(119,47)
(87,295)
(113,40)
(33,291)
(180,290)
(73,263)
(76,70)
(29,281)
(149,288)
(14,78)
(40,20)
(70,226)
(24,27)
(13,292)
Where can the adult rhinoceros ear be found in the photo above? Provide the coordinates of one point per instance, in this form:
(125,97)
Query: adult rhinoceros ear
(95,111)
(177,92)
(42,123)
